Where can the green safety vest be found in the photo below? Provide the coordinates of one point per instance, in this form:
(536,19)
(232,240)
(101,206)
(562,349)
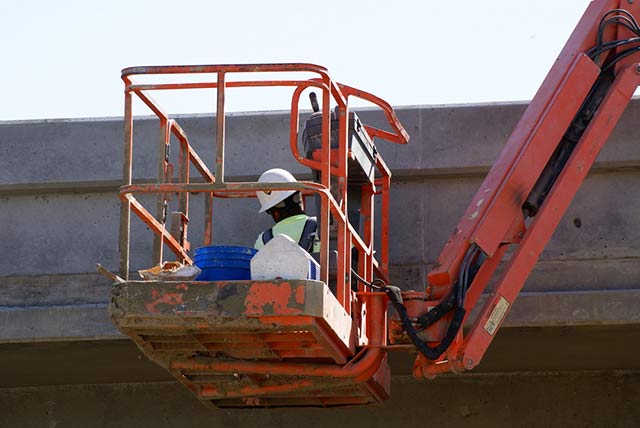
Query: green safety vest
(292,227)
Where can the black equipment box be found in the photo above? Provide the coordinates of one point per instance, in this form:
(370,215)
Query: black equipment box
(362,167)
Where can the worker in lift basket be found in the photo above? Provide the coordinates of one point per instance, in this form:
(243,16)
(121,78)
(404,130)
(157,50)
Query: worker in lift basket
(286,207)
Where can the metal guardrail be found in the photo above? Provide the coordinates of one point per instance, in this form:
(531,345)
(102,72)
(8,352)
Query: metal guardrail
(332,205)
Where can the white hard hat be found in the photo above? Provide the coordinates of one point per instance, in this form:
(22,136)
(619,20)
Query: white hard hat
(269,199)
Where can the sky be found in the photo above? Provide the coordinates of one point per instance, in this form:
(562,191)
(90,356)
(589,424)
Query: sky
(62,59)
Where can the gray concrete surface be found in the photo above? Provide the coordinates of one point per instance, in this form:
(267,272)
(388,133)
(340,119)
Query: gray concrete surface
(572,336)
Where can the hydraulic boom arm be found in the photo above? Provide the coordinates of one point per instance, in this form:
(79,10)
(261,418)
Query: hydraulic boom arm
(527,190)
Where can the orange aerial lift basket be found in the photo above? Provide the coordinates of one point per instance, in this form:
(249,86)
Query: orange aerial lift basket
(263,343)
(290,343)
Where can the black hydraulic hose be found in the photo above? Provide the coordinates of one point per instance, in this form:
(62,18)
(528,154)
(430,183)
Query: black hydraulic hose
(463,277)
(473,260)
(431,353)
(395,295)
(623,17)
(376,284)
(610,64)
(473,270)
(598,50)
(437,312)
(458,292)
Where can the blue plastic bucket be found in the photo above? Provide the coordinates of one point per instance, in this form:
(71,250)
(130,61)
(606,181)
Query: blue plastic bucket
(224,262)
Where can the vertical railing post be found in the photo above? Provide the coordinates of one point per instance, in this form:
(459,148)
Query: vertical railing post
(208,220)
(326,182)
(125,206)
(219,173)
(344,239)
(185,177)
(161,209)
(220,128)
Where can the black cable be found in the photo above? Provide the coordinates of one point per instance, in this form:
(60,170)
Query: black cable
(432,353)
(620,57)
(473,270)
(464,266)
(371,284)
(395,296)
(595,51)
(623,14)
(465,269)
(472,261)
(458,292)
(622,21)
(604,21)
(623,18)
(427,319)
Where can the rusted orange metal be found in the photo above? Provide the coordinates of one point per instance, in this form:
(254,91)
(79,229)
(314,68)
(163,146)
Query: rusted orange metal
(267,343)
(500,215)
(324,82)
(545,222)
(290,343)
(244,343)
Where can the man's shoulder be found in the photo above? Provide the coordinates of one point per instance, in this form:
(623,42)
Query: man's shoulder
(293,219)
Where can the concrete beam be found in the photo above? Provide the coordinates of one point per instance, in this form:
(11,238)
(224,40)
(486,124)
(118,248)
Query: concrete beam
(57,323)
(444,139)
(58,193)
(531,310)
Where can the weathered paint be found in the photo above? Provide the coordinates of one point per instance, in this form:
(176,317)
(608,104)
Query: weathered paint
(265,298)
(162,298)
(275,337)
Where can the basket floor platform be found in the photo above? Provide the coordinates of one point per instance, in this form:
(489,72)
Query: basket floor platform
(278,343)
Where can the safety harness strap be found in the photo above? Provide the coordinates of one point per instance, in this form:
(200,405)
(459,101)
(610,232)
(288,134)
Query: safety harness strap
(267,235)
(308,234)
